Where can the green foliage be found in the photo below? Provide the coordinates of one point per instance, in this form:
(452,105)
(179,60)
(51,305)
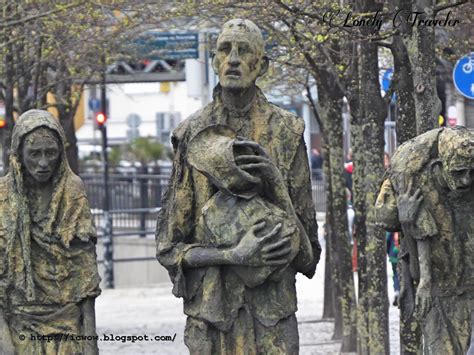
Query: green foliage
(115,155)
(147,150)
(53,48)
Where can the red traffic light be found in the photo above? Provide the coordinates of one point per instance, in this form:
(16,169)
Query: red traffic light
(100,118)
(3,123)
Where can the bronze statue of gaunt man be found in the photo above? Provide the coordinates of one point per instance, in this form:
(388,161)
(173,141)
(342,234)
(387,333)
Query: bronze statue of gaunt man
(238,220)
(48,266)
(429,195)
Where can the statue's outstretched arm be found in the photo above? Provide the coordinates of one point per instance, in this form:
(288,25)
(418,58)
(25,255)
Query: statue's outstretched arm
(423,291)
(409,205)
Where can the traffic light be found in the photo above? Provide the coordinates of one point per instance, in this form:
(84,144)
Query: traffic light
(100,118)
(3,122)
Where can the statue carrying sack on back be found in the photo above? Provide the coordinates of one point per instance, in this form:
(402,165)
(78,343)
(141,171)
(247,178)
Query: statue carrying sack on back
(429,195)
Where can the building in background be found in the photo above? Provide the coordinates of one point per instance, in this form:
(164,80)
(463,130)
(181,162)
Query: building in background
(138,110)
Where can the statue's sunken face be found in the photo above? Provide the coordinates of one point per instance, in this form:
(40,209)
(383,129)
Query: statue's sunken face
(239,55)
(40,154)
(456,152)
(460,176)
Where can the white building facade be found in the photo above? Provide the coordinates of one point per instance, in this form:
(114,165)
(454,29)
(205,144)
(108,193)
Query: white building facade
(138,110)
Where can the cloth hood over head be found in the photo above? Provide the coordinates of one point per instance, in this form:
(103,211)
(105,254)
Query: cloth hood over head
(68,217)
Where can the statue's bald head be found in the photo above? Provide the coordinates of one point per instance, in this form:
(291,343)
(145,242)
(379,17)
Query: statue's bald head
(239,58)
(239,28)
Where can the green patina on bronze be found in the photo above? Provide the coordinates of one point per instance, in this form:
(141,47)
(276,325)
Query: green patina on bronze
(429,194)
(239,202)
(48,269)
(238,161)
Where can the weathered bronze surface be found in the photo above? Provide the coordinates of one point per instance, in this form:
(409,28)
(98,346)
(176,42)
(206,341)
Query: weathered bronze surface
(238,219)
(429,194)
(48,269)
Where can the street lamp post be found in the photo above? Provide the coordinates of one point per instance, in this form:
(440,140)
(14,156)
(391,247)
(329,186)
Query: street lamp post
(107,217)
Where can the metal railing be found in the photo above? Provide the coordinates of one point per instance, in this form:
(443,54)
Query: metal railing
(319,193)
(135,199)
(126,191)
(138,221)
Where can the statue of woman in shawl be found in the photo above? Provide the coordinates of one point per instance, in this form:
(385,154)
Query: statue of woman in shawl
(48,270)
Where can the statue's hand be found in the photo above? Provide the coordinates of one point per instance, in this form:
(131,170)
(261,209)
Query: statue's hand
(6,344)
(409,205)
(255,250)
(259,163)
(423,300)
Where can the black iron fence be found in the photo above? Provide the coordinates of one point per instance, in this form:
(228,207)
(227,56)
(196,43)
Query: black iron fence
(134,199)
(138,221)
(126,191)
(319,195)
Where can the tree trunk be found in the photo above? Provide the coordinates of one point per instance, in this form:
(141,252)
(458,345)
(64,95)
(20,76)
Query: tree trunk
(332,248)
(66,105)
(406,116)
(368,149)
(331,105)
(330,98)
(72,151)
(410,333)
(373,298)
(9,104)
(343,248)
(360,233)
(377,296)
(328,306)
(420,45)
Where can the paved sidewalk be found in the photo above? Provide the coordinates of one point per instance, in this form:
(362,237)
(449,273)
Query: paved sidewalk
(155,311)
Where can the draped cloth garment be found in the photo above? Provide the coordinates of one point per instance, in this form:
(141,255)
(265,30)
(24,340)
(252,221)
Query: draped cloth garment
(48,262)
(225,316)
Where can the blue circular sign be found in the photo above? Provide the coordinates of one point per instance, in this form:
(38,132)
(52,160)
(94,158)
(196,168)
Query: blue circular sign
(463,76)
(387,79)
(94,104)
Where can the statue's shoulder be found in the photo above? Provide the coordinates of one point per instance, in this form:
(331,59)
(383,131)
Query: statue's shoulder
(75,186)
(286,119)
(3,181)
(3,188)
(191,125)
(413,155)
(184,126)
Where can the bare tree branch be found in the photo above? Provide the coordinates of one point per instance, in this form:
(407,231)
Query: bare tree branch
(314,108)
(442,7)
(38,16)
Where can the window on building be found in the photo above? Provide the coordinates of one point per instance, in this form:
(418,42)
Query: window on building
(166,122)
